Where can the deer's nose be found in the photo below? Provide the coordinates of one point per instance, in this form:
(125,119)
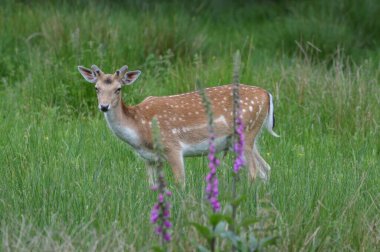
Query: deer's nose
(104,108)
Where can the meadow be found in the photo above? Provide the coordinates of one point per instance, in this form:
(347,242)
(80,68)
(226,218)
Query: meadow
(68,184)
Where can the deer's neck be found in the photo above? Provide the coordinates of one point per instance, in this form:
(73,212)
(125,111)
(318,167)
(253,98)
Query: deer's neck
(121,121)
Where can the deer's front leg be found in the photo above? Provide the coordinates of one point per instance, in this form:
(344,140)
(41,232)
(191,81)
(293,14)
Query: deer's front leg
(175,160)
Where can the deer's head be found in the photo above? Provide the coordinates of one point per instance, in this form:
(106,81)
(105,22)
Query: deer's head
(108,86)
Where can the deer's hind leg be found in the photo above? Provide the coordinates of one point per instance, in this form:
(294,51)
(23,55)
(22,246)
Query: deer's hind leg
(262,166)
(250,162)
(255,163)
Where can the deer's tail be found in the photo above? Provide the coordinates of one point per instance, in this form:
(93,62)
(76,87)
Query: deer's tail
(270,117)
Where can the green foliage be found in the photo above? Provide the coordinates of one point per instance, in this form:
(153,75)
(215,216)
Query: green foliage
(222,232)
(68,184)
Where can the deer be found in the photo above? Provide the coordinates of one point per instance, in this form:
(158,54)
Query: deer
(182,121)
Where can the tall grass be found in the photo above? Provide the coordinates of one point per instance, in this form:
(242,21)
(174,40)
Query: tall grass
(68,184)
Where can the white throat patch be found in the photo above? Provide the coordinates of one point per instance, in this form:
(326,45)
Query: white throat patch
(124,132)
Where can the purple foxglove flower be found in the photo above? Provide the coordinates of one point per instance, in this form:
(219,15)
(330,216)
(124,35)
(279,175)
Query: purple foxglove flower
(161,198)
(158,230)
(211,178)
(160,214)
(167,224)
(154,188)
(239,144)
(167,237)
(211,186)
(166,213)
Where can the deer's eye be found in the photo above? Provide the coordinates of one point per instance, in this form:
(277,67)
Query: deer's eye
(117,90)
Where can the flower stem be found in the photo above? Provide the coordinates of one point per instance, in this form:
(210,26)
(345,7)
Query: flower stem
(212,190)
(160,214)
(238,144)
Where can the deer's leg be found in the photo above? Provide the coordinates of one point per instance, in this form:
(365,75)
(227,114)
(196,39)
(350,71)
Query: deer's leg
(259,165)
(250,135)
(250,162)
(152,172)
(175,160)
(263,166)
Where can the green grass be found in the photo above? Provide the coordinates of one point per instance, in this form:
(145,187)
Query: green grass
(68,184)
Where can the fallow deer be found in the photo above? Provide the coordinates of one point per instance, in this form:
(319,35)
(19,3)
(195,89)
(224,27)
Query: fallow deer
(182,120)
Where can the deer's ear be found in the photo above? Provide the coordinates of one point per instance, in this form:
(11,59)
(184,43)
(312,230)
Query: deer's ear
(130,77)
(87,74)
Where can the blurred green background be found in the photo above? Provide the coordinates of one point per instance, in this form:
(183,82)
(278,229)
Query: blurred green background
(68,184)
